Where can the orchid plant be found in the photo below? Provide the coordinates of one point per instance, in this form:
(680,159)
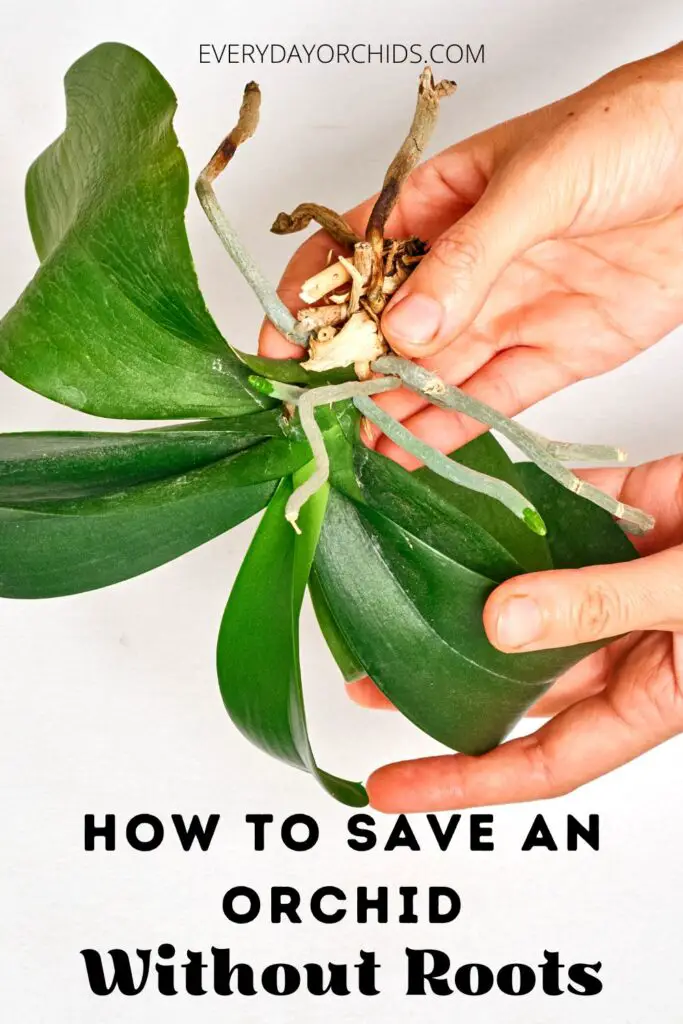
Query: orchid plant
(398,564)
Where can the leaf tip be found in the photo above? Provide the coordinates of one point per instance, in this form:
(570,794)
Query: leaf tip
(534,521)
(260,384)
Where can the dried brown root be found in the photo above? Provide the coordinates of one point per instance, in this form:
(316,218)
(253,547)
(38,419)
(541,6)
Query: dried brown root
(273,307)
(392,282)
(429,95)
(247,123)
(332,222)
(360,269)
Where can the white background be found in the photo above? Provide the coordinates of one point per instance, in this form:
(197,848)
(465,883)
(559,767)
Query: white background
(109,701)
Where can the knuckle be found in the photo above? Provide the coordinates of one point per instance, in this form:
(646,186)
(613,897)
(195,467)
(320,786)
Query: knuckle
(647,699)
(658,696)
(546,780)
(597,611)
(429,184)
(677,475)
(423,182)
(666,700)
(674,596)
(503,387)
(459,252)
(675,693)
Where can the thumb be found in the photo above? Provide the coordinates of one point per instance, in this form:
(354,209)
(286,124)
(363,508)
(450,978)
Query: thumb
(572,606)
(450,285)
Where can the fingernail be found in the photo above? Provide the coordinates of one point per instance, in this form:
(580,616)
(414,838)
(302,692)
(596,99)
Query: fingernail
(519,623)
(414,320)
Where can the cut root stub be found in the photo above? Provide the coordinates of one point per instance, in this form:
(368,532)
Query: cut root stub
(358,341)
(330,279)
(315,317)
(348,333)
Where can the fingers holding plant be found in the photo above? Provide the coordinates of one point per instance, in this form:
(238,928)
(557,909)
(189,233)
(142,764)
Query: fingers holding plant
(541,271)
(639,708)
(574,606)
(575,168)
(551,609)
(619,703)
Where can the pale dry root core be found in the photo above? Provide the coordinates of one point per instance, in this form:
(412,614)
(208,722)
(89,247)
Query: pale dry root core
(343,289)
(339,323)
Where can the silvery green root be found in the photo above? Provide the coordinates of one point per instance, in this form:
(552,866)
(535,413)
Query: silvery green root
(546,454)
(308,399)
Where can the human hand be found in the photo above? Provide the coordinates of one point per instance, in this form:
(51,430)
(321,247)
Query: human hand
(555,250)
(555,256)
(608,709)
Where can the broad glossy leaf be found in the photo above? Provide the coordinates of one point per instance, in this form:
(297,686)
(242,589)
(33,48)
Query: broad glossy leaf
(114,323)
(432,512)
(50,548)
(258,645)
(486,455)
(349,666)
(410,607)
(73,465)
(578,533)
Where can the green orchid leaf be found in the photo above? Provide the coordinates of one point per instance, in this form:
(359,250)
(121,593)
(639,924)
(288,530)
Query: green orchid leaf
(578,533)
(53,547)
(349,666)
(114,323)
(418,502)
(406,600)
(290,371)
(258,645)
(74,465)
(486,455)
